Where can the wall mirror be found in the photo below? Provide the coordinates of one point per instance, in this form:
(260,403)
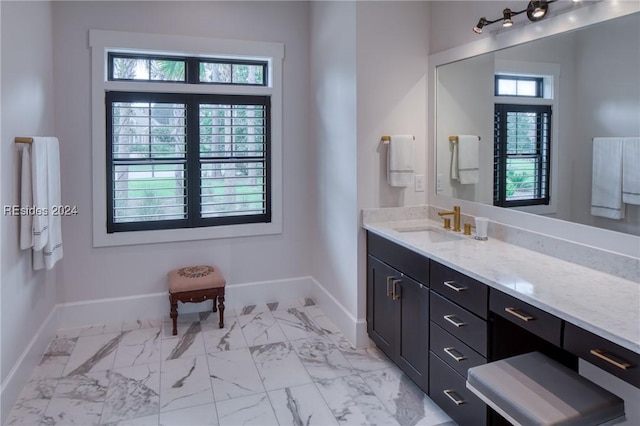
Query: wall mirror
(590,81)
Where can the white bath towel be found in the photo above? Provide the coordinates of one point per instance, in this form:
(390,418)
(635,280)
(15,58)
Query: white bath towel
(606,186)
(26,200)
(400,160)
(465,159)
(45,184)
(631,170)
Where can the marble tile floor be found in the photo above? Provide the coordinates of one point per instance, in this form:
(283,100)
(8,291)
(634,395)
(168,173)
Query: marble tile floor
(275,364)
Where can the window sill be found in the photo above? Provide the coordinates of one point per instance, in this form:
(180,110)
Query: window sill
(102,239)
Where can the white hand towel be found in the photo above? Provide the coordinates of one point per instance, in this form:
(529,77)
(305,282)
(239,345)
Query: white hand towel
(40,196)
(26,200)
(468,159)
(400,160)
(47,228)
(631,170)
(606,186)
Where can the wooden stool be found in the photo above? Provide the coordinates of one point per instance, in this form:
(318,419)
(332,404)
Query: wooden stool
(196,284)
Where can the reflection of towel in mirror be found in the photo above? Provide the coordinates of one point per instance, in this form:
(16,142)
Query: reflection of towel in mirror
(606,187)
(631,170)
(465,159)
(400,160)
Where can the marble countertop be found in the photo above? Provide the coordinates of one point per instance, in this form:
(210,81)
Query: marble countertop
(606,305)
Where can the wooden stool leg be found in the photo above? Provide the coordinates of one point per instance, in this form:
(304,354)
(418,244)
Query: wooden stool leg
(174,314)
(214,304)
(221,309)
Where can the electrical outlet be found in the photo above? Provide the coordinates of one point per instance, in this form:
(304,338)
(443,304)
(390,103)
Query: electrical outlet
(419,183)
(439,184)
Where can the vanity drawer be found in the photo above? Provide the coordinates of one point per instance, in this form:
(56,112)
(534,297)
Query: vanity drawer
(449,390)
(615,359)
(532,319)
(459,322)
(465,291)
(409,262)
(452,351)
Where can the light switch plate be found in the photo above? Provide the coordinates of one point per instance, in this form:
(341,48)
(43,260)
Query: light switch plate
(419,183)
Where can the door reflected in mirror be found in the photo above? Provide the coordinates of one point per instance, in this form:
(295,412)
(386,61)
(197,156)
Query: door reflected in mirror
(536,108)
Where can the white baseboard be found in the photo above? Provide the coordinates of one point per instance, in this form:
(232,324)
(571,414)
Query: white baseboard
(353,329)
(23,368)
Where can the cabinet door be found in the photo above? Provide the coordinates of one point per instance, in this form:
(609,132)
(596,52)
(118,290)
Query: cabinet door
(412,347)
(380,305)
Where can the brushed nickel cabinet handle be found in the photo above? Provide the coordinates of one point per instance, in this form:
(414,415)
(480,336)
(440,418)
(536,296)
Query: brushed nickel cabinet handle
(454,286)
(395,295)
(452,395)
(455,321)
(453,353)
(389,286)
(520,315)
(617,362)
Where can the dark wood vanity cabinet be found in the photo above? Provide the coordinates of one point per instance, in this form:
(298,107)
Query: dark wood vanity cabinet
(459,341)
(398,306)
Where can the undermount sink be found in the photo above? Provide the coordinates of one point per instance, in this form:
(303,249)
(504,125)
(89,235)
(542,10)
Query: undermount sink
(428,233)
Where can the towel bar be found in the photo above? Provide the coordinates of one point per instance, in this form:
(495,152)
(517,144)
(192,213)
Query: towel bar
(454,139)
(387,139)
(23,140)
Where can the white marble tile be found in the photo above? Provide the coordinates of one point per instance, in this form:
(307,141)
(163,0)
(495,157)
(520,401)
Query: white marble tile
(248,410)
(321,319)
(187,345)
(78,400)
(139,346)
(352,402)
(183,324)
(223,339)
(362,360)
(133,392)
(93,353)
(184,382)
(283,305)
(202,415)
(139,421)
(61,346)
(252,309)
(301,405)
(68,333)
(260,329)
(406,402)
(233,374)
(141,323)
(50,366)
(296,324)
(279,366)
(94,330)
(32,402)
(322,358)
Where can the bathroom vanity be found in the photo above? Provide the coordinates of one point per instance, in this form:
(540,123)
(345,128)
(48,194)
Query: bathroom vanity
(439,303)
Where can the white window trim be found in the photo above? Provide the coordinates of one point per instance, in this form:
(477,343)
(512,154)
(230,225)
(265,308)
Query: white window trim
(101,42)
(551,75)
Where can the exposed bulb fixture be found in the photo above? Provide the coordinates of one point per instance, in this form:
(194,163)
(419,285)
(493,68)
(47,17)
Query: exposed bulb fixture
(536,10)
(506,18)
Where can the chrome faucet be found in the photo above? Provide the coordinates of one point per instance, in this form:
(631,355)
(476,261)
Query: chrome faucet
(456,217)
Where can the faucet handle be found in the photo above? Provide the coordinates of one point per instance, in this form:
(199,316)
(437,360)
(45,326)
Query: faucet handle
(467,228)
(447,223)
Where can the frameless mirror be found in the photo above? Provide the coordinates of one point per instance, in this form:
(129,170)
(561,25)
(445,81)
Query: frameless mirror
(589,80)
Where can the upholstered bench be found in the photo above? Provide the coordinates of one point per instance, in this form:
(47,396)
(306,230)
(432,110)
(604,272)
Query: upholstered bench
(196,284)
(532,389)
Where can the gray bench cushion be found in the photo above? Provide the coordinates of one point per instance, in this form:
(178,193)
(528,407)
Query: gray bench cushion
(532,389)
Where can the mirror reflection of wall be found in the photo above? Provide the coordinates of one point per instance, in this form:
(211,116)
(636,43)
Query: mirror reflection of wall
(595,92)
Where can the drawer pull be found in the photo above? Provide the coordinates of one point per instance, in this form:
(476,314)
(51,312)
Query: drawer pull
(452,395)
(521,315)
(395,295)
(455,321)
(610,359)
(453,353)
(389,286)
(454,286)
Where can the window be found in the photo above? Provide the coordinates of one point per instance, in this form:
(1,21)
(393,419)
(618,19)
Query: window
(186,146)
(516,85)
(521,155)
